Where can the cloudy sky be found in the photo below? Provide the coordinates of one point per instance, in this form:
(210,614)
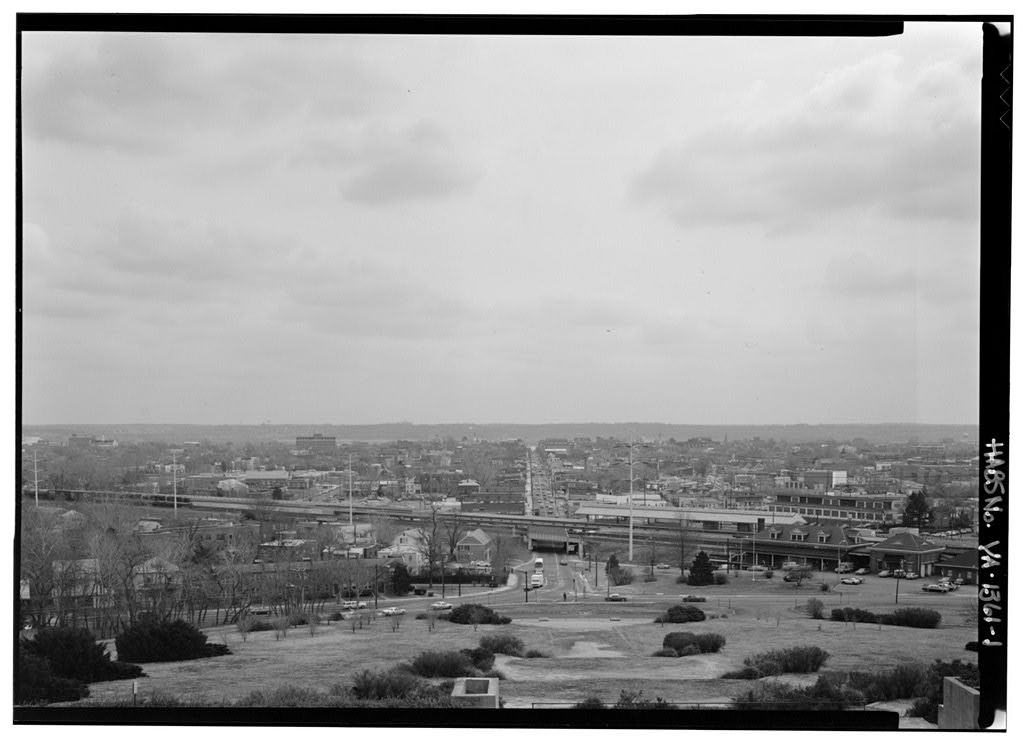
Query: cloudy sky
(356,229)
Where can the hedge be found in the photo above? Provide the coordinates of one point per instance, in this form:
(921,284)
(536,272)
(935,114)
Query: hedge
(906,617)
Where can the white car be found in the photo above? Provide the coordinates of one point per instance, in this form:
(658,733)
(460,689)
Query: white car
(392,611)
(851,580)
(350,605)
(440,606)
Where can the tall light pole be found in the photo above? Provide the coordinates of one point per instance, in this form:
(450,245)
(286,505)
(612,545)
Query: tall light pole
(350,522)
(174,476)
(35,471)
(631,498)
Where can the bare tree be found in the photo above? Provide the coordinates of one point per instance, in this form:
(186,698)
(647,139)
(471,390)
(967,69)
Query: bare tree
(431,544)
(455,529)
(384,529)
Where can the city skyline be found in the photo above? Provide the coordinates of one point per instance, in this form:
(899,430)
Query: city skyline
(370,228)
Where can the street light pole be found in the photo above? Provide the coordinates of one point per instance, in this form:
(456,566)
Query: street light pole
(174,475)
(35,469)
(631,498)
(350,522)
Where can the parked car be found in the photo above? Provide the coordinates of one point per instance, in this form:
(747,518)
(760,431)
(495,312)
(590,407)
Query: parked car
(884,573)
(615,597)
(844,569)
(693,599)
(350,605)
(663,566)
(861,571)
(392,611)
(934,588)
(440,606)
(851,580)
(911,576)
(898,573)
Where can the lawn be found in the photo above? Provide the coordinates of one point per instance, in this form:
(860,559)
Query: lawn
(596,648)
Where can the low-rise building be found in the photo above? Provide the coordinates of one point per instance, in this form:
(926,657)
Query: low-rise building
(906,550)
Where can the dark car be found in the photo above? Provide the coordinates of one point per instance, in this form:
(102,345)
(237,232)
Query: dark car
(694,599)
(615,597)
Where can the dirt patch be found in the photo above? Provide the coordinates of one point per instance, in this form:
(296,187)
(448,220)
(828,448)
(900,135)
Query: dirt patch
(582,649)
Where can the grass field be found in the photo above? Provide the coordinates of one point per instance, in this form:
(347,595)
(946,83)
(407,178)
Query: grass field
(596,648)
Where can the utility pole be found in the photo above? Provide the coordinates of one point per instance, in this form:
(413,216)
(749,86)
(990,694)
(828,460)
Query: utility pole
(35,470)
(631,498)
(174,475)
(350,522)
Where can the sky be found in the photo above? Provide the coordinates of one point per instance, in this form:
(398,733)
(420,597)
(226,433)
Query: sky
(361,229)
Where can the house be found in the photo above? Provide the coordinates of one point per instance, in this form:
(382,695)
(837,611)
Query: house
(411,557)
(476,546)
(906,550)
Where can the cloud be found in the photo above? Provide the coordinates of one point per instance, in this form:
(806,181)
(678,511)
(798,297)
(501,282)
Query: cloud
(150,92)
(857,276)
(873,136)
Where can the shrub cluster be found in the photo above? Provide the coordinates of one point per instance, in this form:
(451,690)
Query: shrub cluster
(150,642)
(680,614)
(801,659)
(476,614)
(392,684)
(74,653)
(905,681)
(815,609)
(536,654)
(850,614)
(906,617)
(502,644)
(721,579)
(927,706)
(447,663)
(382,689)
(688,643)
(636,700)
(822,695)
(36,683)
(481,658)
(914,617)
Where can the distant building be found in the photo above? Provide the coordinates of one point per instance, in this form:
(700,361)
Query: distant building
(317,444)
(882,508)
